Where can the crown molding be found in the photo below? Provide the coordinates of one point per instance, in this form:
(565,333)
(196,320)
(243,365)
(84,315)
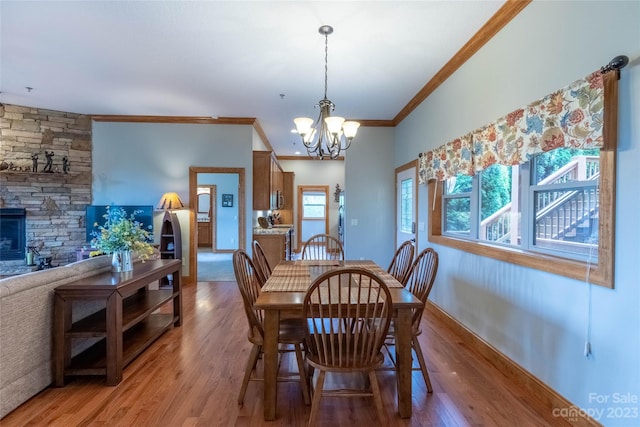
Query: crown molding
(502,17)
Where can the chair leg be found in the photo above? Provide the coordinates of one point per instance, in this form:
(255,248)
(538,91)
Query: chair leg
(315,405)
(423,367)
(386,346)
(375,389)
(251,364)
(303,375)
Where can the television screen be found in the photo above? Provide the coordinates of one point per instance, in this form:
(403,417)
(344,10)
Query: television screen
(95,214)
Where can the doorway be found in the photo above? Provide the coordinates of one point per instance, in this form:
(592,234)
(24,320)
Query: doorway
(230,216)
(206,216)
(313,212)
(406,203)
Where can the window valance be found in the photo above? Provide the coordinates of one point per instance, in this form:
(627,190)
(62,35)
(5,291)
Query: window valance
(571,117)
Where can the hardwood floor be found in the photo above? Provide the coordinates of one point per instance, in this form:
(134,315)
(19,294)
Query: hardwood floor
(191,376)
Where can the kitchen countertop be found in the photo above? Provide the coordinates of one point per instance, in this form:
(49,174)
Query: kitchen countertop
(276,229)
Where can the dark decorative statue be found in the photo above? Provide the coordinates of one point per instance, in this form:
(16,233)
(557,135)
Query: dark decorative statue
(65,164)
(49,156)
(34,161)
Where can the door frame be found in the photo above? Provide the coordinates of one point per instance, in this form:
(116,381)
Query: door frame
(193,208)
(302,189)
(409,165)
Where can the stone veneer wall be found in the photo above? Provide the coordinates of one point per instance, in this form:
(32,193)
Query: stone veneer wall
(54,201)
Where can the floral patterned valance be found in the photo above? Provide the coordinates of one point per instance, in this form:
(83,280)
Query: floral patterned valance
(570,117)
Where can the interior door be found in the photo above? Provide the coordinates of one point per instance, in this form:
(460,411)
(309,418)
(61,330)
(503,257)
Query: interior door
(406,203)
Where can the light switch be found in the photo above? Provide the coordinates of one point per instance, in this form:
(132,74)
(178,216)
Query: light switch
(420,226)
(354,222)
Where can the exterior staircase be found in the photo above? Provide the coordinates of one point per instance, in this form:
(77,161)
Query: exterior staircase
(567,216)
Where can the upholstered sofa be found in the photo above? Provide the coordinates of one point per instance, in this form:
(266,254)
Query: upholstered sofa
(26,328)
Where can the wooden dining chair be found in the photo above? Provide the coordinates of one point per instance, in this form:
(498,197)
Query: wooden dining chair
(348,313)
(291,334)
(263,269)
(402,261)
(419,282)
(323,246)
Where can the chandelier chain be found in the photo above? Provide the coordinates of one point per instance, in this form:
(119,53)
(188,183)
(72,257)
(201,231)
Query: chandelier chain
(326,67)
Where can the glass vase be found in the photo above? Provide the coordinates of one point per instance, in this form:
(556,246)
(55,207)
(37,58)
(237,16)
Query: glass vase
(121,262)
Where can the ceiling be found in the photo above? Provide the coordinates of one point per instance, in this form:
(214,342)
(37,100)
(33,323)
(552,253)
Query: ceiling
(240,59)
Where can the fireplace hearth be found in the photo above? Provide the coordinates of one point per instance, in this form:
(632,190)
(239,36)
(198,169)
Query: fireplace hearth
(13,233)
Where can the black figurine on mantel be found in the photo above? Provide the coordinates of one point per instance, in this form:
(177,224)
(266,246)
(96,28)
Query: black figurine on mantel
(34,161)
(49,156)
(65,164)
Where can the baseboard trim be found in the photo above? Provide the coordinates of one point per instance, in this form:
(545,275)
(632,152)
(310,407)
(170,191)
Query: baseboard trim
(548,396)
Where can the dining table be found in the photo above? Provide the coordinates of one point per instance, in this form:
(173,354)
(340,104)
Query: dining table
(282,297)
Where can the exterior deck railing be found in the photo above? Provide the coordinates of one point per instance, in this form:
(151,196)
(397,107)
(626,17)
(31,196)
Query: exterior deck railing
(558,212)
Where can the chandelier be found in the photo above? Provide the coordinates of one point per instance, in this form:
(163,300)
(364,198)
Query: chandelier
(329,135)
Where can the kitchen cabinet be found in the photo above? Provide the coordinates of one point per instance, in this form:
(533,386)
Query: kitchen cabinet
(276,244)
(287,190)
(286,211)
(267,181)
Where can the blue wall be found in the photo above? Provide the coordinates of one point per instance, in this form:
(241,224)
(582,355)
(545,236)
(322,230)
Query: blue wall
(226,217)
(135,163)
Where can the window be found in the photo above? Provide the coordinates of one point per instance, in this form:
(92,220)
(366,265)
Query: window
(554,213)
(554,196)
(313,205)
(406,206)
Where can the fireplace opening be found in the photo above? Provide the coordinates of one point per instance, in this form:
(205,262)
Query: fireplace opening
(13,235)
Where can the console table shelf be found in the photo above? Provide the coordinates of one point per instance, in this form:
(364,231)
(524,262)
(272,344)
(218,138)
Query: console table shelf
(134,308)
(93,360)
(134,317)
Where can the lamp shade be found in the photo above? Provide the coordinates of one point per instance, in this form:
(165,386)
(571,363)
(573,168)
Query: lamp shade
(334,124)
(170,201)
(350,129)
(303,125)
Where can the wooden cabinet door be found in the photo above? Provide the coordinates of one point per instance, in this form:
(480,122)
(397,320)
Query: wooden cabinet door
(204,234)
(267,181)
(262,180)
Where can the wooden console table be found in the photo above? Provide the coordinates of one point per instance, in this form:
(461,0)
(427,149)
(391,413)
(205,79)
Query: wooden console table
(134,317)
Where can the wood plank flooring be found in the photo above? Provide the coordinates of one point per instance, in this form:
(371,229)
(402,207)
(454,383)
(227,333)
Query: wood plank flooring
(191,377)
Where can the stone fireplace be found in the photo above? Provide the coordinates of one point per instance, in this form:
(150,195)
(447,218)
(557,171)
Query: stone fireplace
(45,172)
